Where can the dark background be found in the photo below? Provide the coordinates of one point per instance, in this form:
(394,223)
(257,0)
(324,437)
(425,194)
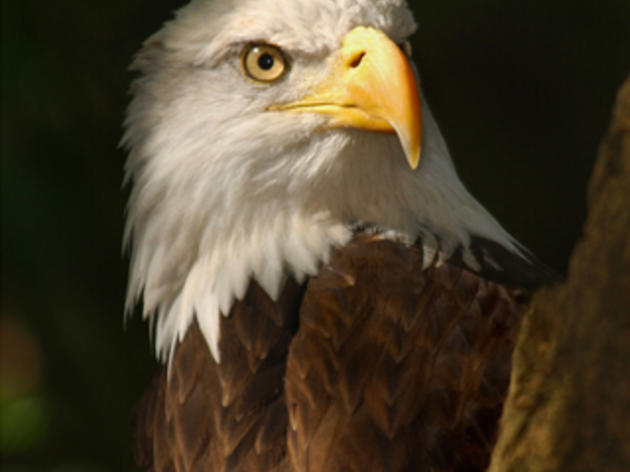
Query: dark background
(523,92)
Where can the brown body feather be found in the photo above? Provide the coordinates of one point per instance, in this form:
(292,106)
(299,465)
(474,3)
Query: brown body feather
(374,365)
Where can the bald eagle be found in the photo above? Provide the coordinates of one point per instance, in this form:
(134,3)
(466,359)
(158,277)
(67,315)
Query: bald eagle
(324,293)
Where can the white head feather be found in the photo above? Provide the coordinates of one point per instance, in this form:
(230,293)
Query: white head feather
(225,192)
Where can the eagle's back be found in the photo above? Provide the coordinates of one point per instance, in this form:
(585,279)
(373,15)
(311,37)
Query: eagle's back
(376,364)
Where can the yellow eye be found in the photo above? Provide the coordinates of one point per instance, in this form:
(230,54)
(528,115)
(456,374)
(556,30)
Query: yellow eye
(263,62)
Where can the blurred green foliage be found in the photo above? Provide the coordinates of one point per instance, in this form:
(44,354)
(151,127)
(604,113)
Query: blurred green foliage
(23,424)
(522,89)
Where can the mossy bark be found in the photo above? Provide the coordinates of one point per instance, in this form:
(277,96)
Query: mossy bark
(568,407)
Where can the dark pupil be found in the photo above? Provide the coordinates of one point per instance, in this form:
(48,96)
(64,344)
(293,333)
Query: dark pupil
(265,61)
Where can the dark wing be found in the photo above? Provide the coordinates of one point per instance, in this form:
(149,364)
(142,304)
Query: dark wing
(504,266)
(395,368)
(226,417)
(392,368)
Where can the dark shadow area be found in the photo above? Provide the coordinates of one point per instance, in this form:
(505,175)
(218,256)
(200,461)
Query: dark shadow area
(523,93)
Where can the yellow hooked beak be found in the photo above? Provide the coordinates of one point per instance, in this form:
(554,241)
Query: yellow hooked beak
(372,87)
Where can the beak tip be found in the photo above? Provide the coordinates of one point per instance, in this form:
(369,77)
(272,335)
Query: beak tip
(413,158)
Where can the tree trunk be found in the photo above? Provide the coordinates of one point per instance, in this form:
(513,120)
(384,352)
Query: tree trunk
(568,407)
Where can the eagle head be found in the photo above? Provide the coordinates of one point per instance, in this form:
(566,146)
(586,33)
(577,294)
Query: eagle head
(260,133)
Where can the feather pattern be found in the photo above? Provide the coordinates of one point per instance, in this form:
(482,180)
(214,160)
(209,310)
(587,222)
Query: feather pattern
(376,364)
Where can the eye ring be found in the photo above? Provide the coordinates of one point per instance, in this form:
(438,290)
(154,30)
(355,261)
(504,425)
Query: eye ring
(263,62)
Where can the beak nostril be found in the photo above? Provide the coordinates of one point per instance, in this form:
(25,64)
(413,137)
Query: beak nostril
(356,60)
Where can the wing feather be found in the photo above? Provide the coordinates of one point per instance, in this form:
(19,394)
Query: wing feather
(417,363)
(392,368)
(230,416)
